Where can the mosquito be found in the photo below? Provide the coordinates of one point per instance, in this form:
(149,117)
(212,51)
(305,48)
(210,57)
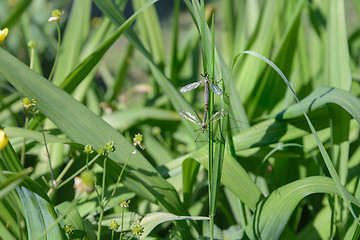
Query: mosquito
(188,116)
(207,82)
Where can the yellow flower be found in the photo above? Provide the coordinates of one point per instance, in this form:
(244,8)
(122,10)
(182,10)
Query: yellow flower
(68,229)
(3,139)
(124,204)
(114,225)
(138,141)
(55,16)
(3,34)
(137,230)
(32,44)
(28,103)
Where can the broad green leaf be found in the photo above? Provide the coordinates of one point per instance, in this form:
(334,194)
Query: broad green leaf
(190,169)
(84,127)
(131,117)
(234,177)
(321,147)
(261,99)
(34,135)
(72,218)
(272,214)
(89,63)
(151,220)
(39,215)
(322,96)
(337,61)
(149,25)
(12,180)
(248,71)
(76,32)
(15,13)
(5,233)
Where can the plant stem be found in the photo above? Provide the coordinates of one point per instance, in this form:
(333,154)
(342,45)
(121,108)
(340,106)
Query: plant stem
(57,52)
(122,223)
(102,206)
(119,178)
(64,171)
(53,184)
(22,158)
(74,175)
(87,161)
(32,58)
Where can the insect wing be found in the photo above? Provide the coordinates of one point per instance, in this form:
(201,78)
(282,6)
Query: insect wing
(220,114)
(190,86)
(216,89)
(188,116)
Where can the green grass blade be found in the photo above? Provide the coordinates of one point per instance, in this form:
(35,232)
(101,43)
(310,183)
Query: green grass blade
(81,71)
(76,32)
(234,177)
(83,126)
(272,214)
(15,14)
(322,149)
(337,59)
(150,25)
(34,135)
(322,96)
(39,214)
(190,169)
(10,159)
(250,69)
(72,218)
(12,180)
(151,220)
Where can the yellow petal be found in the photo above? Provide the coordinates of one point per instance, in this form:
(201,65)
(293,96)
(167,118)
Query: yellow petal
(3,139)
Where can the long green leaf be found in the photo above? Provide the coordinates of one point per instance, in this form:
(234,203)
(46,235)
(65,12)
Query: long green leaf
(77,29)
(12,181)
(272,213)
(324,154)
(234,177)
(151,220)
(89,63)
(39,215)
(15,13)
(83,126)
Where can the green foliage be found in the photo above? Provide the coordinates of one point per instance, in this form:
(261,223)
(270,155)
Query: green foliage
(262,172)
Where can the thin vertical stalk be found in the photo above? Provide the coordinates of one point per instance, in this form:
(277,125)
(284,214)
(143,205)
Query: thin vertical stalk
(212,187)
(53,184)
(22,157)
(57,51)
(102,206)
(122,224)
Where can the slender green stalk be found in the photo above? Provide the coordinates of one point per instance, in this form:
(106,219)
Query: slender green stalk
(119,178)
(51,191)
(32,58)
(212,172)
(57,52)
(53,183)
(102,206)
(22,157)
(122,223)
(64,171)
(87,161)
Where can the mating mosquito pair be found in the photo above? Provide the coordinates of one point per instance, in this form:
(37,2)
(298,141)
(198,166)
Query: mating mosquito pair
(218,115)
